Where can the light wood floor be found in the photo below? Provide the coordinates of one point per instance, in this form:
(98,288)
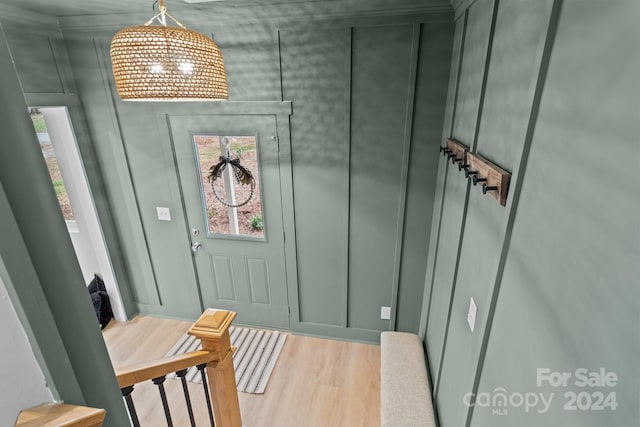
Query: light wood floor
(316,382)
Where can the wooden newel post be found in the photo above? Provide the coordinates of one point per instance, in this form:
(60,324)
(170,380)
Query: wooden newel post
(212,328)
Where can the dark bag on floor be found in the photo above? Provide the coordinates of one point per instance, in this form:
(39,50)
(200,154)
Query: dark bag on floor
(100,300)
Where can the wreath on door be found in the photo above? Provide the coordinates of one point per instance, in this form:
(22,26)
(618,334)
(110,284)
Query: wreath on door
(242,176)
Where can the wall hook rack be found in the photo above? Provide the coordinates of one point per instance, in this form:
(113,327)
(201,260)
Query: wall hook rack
(476,180)
(486,188)
(495,180)
(457,152)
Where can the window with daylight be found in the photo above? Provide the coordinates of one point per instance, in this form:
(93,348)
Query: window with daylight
(52,163)
(230,185)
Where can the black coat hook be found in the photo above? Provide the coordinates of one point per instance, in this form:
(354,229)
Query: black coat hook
(467,172)
(486,188)
(476,180)
(465,167)
(456,160)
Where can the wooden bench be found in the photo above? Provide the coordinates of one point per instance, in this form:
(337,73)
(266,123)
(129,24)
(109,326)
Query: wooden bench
(405,398)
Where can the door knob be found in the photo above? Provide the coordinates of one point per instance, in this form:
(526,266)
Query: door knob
(195,246)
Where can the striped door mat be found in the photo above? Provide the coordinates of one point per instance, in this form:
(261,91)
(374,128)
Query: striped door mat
(256,355)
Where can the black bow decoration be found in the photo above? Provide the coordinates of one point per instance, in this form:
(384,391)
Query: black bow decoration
(242,175)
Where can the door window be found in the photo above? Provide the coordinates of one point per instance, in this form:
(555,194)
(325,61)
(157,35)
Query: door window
(230,185)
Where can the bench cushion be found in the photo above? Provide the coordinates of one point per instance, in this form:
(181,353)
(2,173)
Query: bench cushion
(405,399)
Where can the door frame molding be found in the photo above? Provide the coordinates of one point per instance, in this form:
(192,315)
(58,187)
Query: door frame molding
(281,110)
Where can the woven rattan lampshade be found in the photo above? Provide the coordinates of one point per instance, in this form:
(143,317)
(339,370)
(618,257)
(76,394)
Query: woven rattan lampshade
(163,63)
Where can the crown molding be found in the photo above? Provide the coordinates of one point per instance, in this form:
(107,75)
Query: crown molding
(222,14)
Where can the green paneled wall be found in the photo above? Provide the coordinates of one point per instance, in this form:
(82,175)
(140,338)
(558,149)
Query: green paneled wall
(340,202)
(434,57)
(444,270)
(46,79)
(438,200)
(476,43)
(32,35)
(520,32)
(41,79)
(315,69)
(251,61)
(92,82)
(351,136)
(378,110)
(155,180)
(353,128)
(578,304)
(39,263)
(22,283)
(553,273)
(454,201)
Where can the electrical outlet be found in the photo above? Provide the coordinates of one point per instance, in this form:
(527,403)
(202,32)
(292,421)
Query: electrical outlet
(385,313)
(164,214)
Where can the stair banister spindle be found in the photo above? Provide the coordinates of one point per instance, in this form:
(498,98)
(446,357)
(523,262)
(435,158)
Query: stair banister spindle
(163,396)
(207,396)
(185,388)
(126,393)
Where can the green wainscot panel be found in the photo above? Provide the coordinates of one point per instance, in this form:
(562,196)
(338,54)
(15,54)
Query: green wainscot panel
(380,78)
(431,85)
(509,93)
(441,175)
(315,75)
(87,57)
(156,184)
(450,229)
(568,303)
(475,47)
(250,54)
(35,61)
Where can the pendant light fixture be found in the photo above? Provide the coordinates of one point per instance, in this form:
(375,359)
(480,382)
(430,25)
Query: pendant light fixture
(165,63)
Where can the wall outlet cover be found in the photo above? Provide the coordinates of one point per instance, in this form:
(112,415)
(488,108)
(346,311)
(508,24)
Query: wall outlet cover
(471,315)
(385,313)
(164,214)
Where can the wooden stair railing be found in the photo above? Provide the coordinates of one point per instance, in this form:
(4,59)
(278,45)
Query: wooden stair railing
(218,379)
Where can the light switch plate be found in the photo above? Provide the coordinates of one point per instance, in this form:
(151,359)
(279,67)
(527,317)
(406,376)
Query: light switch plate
(164,214)
(471,315)
(385,313)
